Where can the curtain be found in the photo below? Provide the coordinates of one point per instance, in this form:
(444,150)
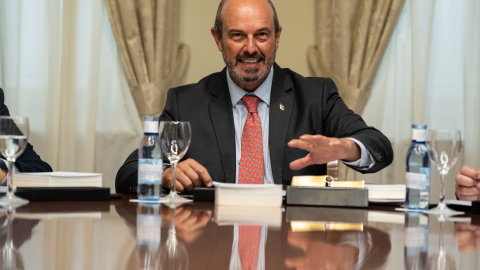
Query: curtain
(147,34)
(351,38)
(430,75)
(59,66)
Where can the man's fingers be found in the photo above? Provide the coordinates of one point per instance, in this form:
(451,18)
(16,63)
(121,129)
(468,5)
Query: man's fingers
(201,174)
(470,172)
(189,174)
(465,181)
(301,163)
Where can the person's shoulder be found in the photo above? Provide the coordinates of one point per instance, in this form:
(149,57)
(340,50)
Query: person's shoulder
(299,79)
(203,84)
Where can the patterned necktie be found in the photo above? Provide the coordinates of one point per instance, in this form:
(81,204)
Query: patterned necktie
(251,162)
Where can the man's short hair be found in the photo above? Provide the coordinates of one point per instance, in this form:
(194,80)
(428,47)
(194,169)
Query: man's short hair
(219,23)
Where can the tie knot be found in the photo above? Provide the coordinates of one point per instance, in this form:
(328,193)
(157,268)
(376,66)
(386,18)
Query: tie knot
(251,102)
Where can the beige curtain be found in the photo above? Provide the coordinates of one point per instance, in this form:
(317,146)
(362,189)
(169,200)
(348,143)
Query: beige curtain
(351,38)
(147,34)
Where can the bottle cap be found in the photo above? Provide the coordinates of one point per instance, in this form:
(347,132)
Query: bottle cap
(150,124)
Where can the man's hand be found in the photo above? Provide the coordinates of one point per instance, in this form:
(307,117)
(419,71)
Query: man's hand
(323,150)
(189,174)
(467,184)
(3,174)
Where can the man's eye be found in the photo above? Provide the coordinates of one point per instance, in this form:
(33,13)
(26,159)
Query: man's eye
(262,36)
(236,36)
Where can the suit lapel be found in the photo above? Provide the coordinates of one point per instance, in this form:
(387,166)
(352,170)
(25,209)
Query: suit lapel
(221,115)
(281,107)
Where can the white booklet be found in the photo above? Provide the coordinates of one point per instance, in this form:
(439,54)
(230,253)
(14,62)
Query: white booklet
(58,179)
(394,193)
(264,195)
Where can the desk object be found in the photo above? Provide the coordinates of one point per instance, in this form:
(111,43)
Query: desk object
(64,193)
(204,194)
(327,193)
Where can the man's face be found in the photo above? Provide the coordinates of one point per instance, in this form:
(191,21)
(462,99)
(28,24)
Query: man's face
(249,42)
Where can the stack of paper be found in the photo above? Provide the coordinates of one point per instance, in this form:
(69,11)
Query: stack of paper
(58,179)
(248,195)
(248,204)
(386,193)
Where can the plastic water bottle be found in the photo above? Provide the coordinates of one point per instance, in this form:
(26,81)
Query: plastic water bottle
(416,241)
(148,238)
(150,161)
(418,170)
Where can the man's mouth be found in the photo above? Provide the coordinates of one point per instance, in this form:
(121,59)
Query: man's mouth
(249,61)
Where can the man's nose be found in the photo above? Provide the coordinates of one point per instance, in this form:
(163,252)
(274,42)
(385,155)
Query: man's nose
(251,46)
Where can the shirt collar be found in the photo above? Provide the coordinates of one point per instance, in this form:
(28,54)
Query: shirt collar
(263,91)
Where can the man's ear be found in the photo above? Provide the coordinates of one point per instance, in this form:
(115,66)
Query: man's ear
(217,37)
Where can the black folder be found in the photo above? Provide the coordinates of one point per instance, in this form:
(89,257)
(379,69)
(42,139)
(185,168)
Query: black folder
(64,193)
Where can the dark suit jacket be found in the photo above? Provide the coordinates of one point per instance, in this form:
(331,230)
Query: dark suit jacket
(29,161)
(298,106)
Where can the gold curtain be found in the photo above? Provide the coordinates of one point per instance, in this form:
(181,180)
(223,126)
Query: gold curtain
(351,38)
(147,36)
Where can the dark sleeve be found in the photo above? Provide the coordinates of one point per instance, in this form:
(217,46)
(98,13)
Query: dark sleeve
(28,161)
(342,122)
(126,179)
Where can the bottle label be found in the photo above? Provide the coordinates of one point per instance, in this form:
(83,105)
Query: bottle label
(414,237)
(416,180)
(148,228)
(149,170)
(419,135)
(150,127)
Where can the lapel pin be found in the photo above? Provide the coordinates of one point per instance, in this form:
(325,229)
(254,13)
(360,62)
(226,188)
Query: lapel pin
(282,107)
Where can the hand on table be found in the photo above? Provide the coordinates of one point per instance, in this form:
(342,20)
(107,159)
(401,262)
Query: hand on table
(467,184)
(323,150)
(189,174)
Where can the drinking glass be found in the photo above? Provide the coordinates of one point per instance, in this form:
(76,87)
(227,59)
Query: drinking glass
(443,150)
(13,141)
(175,138)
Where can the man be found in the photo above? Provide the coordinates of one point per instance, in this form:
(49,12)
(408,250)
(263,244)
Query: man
(304,123)
(29,161)
(467,184)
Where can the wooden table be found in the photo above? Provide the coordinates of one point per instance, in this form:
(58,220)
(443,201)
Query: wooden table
(112,235)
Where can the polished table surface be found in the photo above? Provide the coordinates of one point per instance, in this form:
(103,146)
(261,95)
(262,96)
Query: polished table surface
(119,234)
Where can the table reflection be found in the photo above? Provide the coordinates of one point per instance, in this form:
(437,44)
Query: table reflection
(10,257)
(148,236)
(467,237)
(362,248)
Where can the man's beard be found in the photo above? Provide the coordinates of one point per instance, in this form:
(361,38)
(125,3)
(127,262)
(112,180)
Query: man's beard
(251,74)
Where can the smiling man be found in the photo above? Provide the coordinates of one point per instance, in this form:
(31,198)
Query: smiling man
(255,122)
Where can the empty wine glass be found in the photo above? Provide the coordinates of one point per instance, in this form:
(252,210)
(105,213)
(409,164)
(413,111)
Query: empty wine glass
(175,138)
(13,141)
(443,150)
